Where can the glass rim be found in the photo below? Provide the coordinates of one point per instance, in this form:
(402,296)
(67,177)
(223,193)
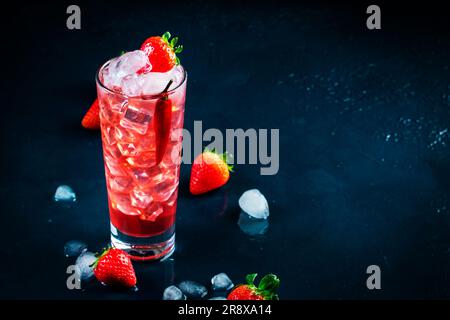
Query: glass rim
(141,97)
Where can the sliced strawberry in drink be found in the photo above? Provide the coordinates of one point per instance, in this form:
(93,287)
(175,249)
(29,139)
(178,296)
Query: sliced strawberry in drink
(162,123)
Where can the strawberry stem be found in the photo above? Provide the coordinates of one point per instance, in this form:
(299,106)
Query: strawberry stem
(166,36)
(250,278)
(226,157)
(267,287)
(105,251)
(172,43)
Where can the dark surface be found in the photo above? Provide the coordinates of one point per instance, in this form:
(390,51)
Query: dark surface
(347,194)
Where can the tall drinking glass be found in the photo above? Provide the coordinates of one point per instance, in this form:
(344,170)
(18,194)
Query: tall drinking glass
(142,140)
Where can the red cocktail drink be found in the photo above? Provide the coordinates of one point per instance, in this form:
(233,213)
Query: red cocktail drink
(141,119)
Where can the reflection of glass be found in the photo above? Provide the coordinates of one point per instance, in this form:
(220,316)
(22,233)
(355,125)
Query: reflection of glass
(252,226)
(142,151)
(169,271)
(224,205)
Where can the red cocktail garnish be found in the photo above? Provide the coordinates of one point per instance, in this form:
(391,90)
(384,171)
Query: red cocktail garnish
(162,120)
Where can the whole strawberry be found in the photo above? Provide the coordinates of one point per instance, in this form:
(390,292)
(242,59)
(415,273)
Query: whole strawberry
(91,119)
(162,52)
(209,171)
(114,268)
(266,290)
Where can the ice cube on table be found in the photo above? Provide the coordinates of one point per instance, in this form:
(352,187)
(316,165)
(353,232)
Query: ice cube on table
(127,64)
(221,282)
(85,262)
(65,193)
(193,289)
(217,298)
(254,204)
(173,293)
(252,226)
(74,248)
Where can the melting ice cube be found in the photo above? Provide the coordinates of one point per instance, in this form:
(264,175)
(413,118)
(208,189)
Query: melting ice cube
(252,226)
(74,248)
(254,204)
(119,184)
(132,85)
(127,64)
(156,82)
(85,263)
(65,193)
(193,289)
(221,282)
(140,198)
(173,293)
(152,212)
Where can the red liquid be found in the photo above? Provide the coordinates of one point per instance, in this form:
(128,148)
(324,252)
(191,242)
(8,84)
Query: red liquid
(142,194)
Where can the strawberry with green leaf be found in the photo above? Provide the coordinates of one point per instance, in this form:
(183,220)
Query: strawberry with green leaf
(266,289)
(114,268)
(91,120)
(209,171)
(162,52)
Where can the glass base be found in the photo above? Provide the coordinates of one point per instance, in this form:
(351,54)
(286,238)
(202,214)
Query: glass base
(157,248)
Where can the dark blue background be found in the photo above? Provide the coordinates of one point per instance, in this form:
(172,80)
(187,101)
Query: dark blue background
(364,151)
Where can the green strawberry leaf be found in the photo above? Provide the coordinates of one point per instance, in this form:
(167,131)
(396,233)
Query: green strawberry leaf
(269,283)
(173,42)
(226,157)
(166,36)
(178,49)
(99,256)
(250,278)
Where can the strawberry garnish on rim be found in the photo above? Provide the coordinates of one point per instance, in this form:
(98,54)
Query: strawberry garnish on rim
(266,289)
(162,52)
